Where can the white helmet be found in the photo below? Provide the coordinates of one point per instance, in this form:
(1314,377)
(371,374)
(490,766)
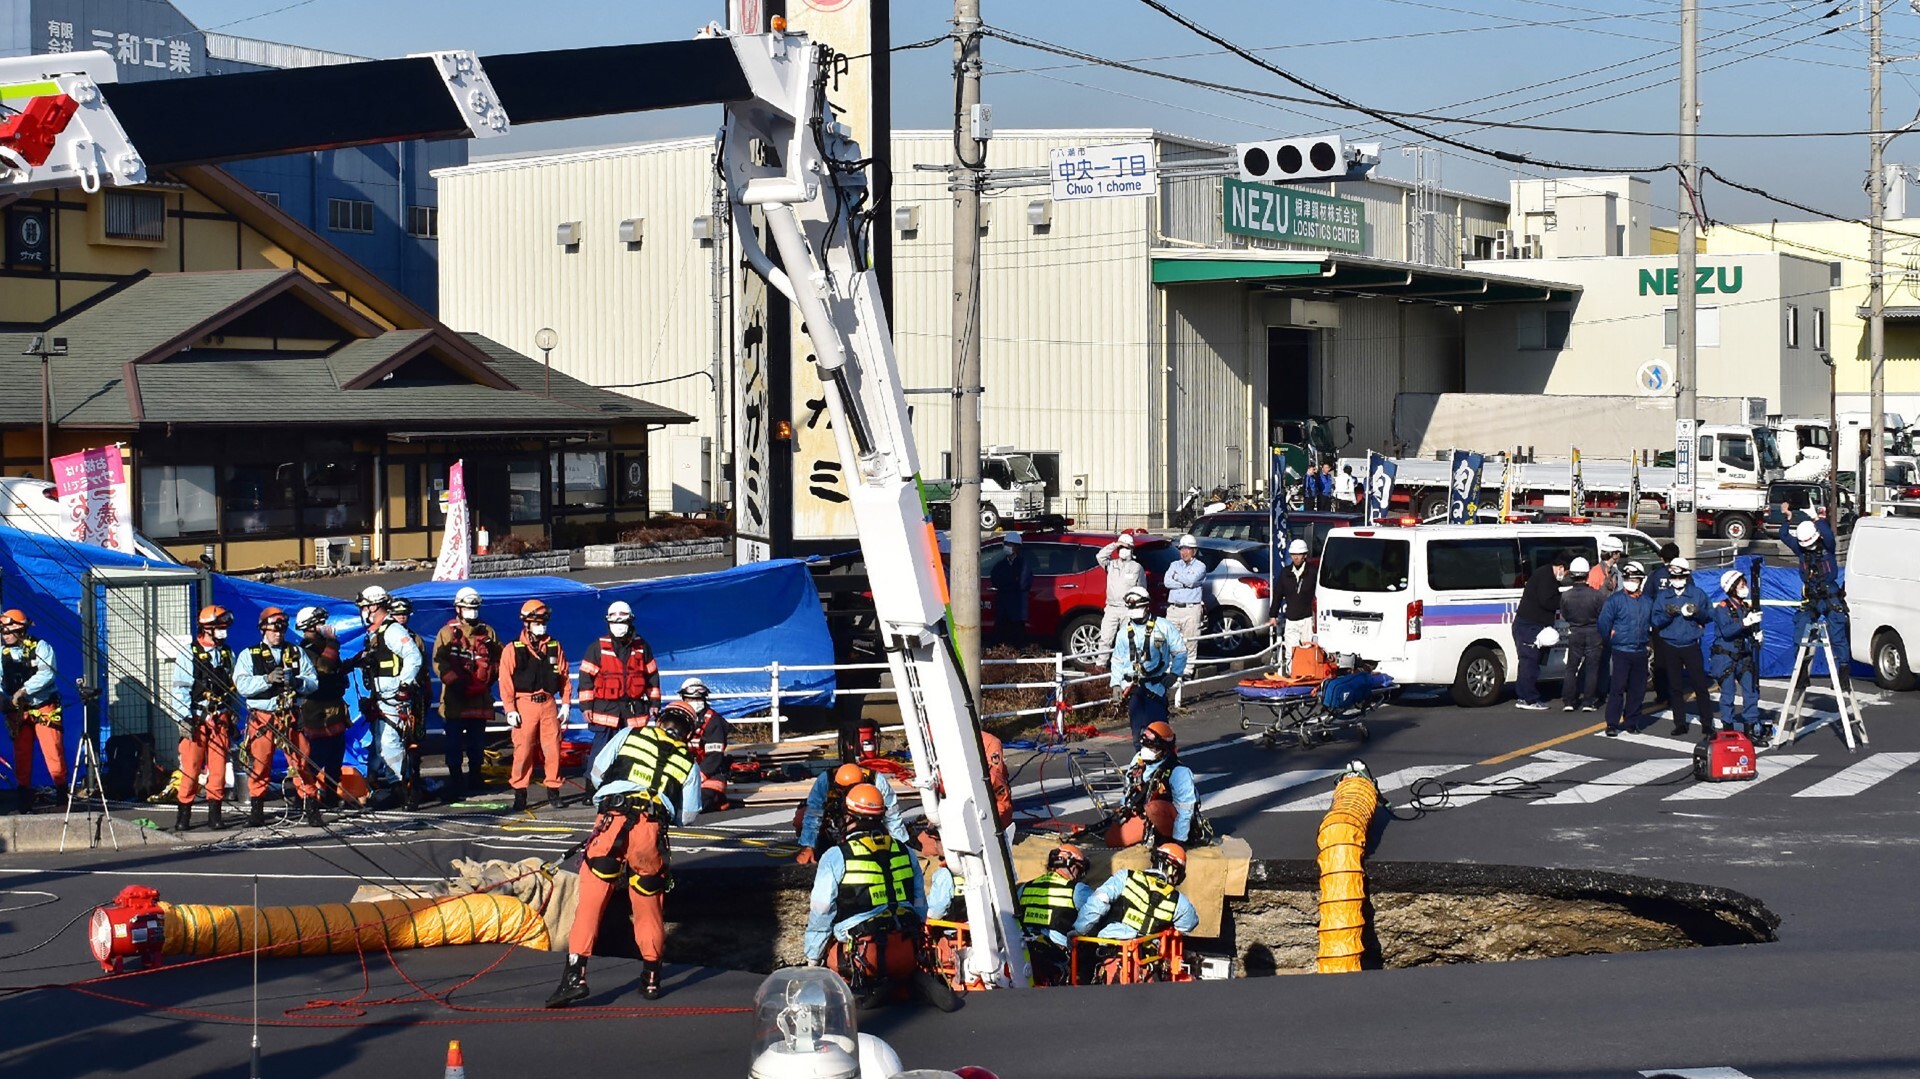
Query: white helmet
(467,597)
(1188,541)
(1611,545)
(618,611)
(373,596)
(1549,637)
(1126,539)
(1729,579)
(1679,567)
(1138,597)
(693,689)
(1807,533)
(310,618)
(1580,566)
(1634,569)
(1298,546)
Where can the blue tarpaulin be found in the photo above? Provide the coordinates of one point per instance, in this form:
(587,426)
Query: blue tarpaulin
(750,616)
(1778,647)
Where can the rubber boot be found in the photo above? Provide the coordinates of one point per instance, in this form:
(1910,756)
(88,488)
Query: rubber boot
(213,815)
(257,814)
(313,813)
(520,800)
(573,983)
(935,990)
(553,798)
(183,817)
(650,979)
(456,784)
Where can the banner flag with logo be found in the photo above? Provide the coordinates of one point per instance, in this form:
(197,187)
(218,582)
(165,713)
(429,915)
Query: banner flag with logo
(1577,492)
(1633,492)
(1463,495)
(456,553)
(95,498)
(1277,514)
(1506,489)
(1381,472)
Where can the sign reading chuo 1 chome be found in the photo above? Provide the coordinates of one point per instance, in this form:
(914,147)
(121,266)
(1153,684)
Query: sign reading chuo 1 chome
(1103,172)
(1299,217)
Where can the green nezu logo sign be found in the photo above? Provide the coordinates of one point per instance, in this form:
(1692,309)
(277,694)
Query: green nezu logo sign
(1706,279)
(1300,217)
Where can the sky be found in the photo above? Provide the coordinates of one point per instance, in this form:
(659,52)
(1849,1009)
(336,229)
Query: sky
(1769,66)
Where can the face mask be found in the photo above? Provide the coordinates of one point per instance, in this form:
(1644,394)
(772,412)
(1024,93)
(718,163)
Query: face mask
(219,634)
(619,629)
(1149,754)
(1126,554)
(469,614)
(538,629)
(1632,586)
(1679,584)
(1559,575)
(1138,614)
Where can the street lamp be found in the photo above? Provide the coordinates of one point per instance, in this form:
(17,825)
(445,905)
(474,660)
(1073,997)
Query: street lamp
(46,348)
(1833,449)
(545,340)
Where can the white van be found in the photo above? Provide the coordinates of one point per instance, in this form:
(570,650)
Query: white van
(1433,604)
(1883,596)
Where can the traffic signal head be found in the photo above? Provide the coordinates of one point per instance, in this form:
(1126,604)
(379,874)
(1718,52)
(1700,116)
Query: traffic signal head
(1281,161)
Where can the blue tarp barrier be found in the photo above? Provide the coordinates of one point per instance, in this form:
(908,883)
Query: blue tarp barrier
(750,616)
(1778,648)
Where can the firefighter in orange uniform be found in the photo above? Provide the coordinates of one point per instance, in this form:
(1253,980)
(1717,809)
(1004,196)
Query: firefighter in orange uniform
(32,703)
(273,676)
(536,687)
(207,702)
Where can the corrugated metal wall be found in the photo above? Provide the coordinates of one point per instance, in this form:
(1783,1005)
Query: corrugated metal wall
(624,314)
(1213,358)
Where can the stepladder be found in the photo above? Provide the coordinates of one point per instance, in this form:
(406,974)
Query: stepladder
(1816,641)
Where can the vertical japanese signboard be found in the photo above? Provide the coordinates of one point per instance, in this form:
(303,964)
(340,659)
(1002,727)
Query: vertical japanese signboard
(1577,488)
(96,505)
(1277,514)
(1506,488)
(1633,491)
(1683,466)
(1381,472)
(1463,496)
(456,553)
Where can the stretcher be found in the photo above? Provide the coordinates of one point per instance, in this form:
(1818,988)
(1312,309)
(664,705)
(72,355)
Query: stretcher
(1310,712)
(1130,961)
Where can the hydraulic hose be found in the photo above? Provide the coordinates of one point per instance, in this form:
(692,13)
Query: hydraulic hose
(1343,879)
(337,928)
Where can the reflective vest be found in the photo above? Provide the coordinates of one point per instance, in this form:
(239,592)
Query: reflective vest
(378,660)
(15,672)
(655,762)
(265,662)
(712,729)
(1046,903)
(621,679)
(879,876)
(470,649)
(212,690)
(1148,903)
(1150,656)
(324,711)
(537,670)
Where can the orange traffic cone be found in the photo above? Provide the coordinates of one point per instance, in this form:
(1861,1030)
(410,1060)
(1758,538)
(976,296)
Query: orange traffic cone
(456,1065)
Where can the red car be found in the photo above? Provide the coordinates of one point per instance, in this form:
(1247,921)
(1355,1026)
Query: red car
(1069,593)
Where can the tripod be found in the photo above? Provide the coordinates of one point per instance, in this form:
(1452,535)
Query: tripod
(1851,724)
(86,762)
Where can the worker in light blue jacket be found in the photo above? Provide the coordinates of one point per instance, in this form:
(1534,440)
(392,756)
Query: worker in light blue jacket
(1681,614)
(1626,627)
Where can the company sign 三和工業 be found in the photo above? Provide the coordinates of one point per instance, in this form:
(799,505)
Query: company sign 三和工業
(1301,217)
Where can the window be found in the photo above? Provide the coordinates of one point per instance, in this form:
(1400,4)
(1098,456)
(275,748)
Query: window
(1060,559)
(349,215)
(1482,247)
(1542,329)
(1706,451)
(1464,565)
(1706,327)
(424,222)
(1820,329)
(1736,452)
(580,480)
(1365,564)
(1793,326)
(1538,552)
(336,494)
(272,197)
(523,492)
(1638,549)
(261,498)
(135,215)
(177,500)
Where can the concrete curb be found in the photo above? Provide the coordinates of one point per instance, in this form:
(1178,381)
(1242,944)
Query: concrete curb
(632,554)
(41,833)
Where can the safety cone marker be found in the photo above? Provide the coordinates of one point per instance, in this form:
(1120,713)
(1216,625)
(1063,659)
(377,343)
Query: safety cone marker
(456,1064)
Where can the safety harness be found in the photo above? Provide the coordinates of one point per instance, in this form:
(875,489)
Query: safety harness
(1148,903)
(658,765)
(323,713)
(1144,668)
(878,877)
(537,667)
(286,657)
(212,692)
(14,674)
(1741,655)
(1046,903)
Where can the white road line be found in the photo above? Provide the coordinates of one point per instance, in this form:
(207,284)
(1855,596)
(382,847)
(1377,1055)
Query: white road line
(1770,766)
(1697,1073)
(1853,780)
(1633,775)
(1671,745)
(1273,784)
(1392,781)
(1546,764)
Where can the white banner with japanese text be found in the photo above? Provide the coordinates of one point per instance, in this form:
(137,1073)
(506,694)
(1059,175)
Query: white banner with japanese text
(456,552)
(96,503)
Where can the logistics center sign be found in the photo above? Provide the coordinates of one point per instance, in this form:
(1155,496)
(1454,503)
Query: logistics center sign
(1298,217)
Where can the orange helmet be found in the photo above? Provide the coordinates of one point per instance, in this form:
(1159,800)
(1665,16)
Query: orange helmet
(849,775)
(15,620)
(1171,859)
(534,610)
(1069,858)
(215,617)
(1158,735)
(678,719)
(273,618)
(864,800)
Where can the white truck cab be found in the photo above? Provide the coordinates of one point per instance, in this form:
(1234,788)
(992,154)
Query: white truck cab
(30,505)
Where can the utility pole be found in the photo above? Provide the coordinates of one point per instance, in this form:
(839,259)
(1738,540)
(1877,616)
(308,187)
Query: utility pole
(1873,476)
(1686,531)
(969,166)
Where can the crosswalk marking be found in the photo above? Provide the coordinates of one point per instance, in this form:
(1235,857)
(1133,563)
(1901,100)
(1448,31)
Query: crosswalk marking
(1267,785)
(1389,783)
(1633,775)
(1548,763)
(1641,738)
(1859,777)
(1770,766)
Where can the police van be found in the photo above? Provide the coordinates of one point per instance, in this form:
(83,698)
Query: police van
(1433,604)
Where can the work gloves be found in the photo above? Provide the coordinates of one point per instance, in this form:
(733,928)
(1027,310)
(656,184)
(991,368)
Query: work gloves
(513,720)
(277,677)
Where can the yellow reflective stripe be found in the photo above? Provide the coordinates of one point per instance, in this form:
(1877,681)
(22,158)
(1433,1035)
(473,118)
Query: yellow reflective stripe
(31,89)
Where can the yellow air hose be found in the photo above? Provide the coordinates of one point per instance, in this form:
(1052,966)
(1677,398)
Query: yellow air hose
(337,928)
(1343,880)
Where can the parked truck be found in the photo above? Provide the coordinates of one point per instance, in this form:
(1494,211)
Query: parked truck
(1011,489)
(1543,426)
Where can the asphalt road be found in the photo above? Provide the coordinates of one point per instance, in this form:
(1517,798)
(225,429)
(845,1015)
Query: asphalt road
(1825,839)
